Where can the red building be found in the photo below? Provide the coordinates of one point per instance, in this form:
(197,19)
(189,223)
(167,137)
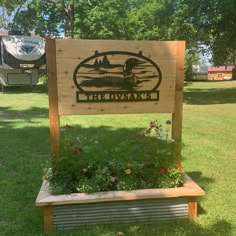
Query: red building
(220,72)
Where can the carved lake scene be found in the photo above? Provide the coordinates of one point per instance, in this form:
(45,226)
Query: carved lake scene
(134,76)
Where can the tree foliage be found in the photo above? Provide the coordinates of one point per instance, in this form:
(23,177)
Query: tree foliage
(204,24)
(215,22)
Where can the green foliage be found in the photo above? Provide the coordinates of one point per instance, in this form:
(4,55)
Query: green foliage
(215,24)
(206,26)
(103,20)
(223,43)
(43,80)
(140,163)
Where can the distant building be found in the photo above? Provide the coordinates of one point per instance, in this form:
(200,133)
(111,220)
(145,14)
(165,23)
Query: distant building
(200,72)
(3,33)
(220,72)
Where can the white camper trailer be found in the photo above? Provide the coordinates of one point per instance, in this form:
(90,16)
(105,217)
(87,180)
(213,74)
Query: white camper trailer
(20,59)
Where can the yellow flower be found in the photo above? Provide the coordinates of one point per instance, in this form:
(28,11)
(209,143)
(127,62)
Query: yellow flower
(44,177)
(127,171)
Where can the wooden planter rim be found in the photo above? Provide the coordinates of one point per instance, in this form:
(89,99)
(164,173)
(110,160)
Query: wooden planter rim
(190,189)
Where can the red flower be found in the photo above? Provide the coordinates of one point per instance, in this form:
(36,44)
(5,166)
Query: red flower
(77,151)
(169,169)
(162,171)
(180,170)
(69,126)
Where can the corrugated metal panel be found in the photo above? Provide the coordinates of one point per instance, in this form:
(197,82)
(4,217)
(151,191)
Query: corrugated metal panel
(140,211)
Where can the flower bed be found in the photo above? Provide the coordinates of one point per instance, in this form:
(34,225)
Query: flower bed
(142,162)
(146,205)
(139,182)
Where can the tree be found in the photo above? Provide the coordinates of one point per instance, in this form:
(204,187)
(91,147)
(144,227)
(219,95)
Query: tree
(8,7)
(204,25)
(215,20)
(103,19)
(51,17)
(167,20)
(223,44)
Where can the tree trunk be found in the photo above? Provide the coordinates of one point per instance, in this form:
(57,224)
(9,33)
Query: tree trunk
(69,21)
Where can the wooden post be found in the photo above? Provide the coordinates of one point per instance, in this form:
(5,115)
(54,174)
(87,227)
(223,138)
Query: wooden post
(177,116)
(53,96)
(48,218)
(192,208)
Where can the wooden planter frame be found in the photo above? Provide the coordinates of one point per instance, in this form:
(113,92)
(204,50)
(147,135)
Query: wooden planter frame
(187,194)
(166,204)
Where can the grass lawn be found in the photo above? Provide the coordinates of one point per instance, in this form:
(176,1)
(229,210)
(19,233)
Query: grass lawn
(209,157)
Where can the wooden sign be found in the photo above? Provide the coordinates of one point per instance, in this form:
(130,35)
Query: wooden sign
(115,77)
(100,78)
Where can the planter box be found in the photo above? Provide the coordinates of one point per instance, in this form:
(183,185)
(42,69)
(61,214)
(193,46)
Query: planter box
(145,205)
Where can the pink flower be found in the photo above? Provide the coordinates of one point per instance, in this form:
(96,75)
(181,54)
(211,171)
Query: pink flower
(114,179)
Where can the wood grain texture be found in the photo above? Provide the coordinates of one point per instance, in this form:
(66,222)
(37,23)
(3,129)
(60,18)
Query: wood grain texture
(190,189)
(192,207)
(71,53)
(177,116)
(53,96)
(81,49)
(48,218)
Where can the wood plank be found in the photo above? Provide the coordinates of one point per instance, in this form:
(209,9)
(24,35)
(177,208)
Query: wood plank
(177,116)
(192,208)
(68,105)
(190,189)
(48,218)
(53,96)
(67,60)
(94,109)
(81,49)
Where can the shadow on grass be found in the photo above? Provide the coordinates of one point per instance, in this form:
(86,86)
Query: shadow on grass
(172,228)
(25,89)
(24,149)
(197,177)
(210,96)
(6,113)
